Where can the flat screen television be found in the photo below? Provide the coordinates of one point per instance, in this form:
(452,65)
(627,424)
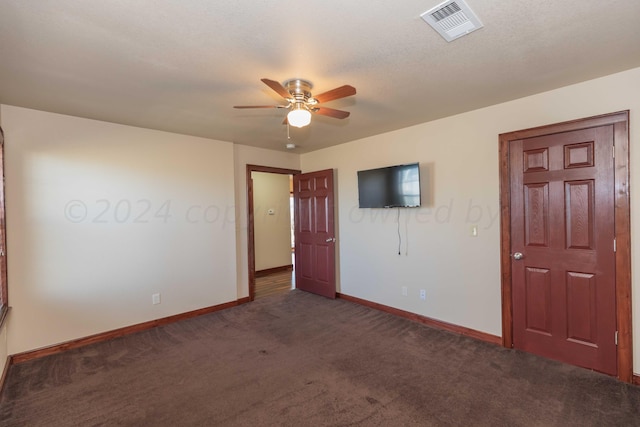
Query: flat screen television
(390,187)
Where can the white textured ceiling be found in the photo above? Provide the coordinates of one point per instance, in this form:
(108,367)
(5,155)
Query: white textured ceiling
(180,66)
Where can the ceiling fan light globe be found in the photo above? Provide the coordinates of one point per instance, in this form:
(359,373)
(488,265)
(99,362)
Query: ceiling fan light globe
(299,118)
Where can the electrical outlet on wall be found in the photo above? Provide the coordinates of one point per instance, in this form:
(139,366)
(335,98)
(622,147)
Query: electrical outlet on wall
(405,291)
(155,299)
(423,294)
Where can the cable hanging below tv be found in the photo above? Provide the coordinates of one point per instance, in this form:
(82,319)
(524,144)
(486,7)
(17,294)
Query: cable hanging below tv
(390,187)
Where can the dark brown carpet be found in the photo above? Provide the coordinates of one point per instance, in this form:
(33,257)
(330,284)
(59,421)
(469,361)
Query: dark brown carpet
(298,359)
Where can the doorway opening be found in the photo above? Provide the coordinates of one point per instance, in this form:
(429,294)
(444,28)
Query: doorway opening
(269,230)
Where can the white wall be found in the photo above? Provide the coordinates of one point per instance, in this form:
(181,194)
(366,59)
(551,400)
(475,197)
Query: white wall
(101,216)
(272,231)
(459,166)
(243,156)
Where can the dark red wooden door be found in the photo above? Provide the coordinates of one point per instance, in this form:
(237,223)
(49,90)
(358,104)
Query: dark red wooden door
(563,261)
(314,233)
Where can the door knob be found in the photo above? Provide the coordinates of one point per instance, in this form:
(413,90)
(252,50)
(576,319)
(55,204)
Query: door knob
(518,255)
(331,239)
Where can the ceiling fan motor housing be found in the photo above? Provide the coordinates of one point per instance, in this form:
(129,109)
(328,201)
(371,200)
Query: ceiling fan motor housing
(300,91)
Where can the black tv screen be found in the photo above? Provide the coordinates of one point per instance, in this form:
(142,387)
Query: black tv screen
(390,187)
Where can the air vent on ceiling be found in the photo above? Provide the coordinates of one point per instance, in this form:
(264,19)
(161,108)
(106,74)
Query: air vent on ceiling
(452,19)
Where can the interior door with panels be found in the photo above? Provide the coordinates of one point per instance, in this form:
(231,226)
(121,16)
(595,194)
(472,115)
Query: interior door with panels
(314,232)
(563,260)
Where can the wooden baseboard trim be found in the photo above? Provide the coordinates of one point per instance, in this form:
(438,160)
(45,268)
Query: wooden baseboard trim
(116,333)
(636,380)
(244,300)
(273,270)
(438,324)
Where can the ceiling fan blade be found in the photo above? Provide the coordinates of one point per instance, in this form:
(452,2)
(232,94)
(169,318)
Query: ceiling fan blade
(285,121)
(337,93)
(336,114)
(280,90)
(259,106)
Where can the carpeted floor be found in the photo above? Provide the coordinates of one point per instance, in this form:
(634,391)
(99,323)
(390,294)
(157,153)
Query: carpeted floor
(302,360)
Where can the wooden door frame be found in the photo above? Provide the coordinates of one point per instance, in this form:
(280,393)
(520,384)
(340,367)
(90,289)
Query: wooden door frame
(4,290)
(251,243)
(620,123)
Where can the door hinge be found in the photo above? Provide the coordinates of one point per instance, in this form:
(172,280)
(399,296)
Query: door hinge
(614,245)
(616,337)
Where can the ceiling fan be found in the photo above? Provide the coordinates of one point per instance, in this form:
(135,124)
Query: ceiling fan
(302,103)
